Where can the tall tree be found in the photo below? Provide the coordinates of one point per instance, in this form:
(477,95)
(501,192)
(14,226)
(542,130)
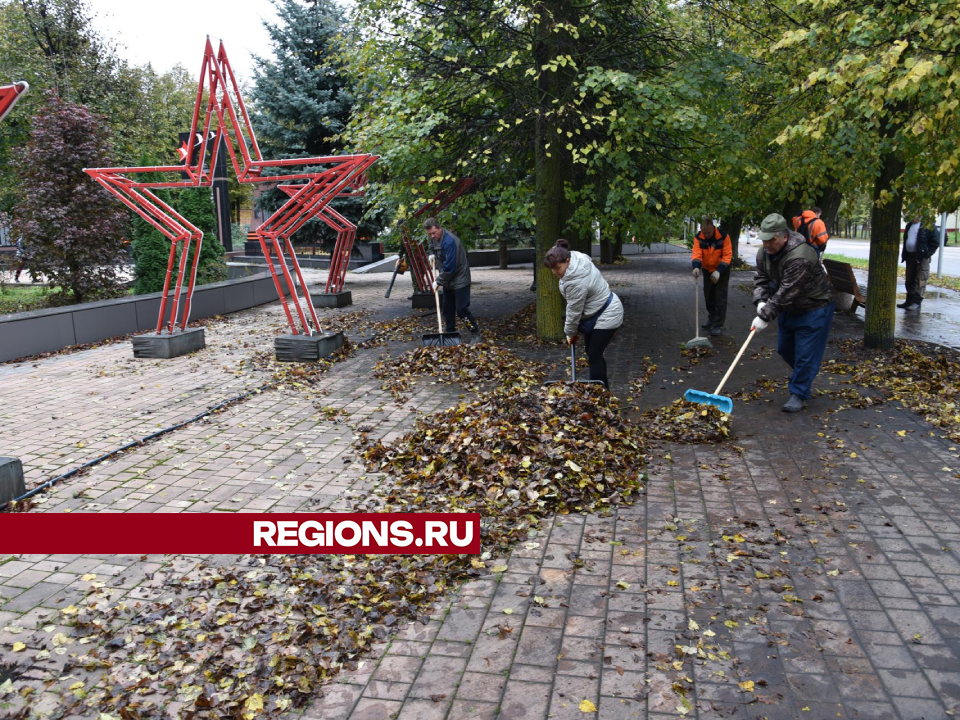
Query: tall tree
(53,45)
(302,98)
(72,230)
(887,71)
(521,96)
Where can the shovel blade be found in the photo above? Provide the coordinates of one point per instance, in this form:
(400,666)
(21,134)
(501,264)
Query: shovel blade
(440,339)
(700,397)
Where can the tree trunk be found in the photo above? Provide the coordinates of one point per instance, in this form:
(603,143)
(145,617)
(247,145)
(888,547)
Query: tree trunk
(573,176)
(504,253)
(732,226)
(790,209)
(606,254)
(618,245)
(549,200)
(881,320)
(829,203)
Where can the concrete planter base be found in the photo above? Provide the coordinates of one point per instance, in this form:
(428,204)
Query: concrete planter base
(303,348)
(168,345)
(332,300)
(424,301)
(11,479)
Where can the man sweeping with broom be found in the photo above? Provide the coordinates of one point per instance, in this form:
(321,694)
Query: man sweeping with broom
(790,284)
(454,277)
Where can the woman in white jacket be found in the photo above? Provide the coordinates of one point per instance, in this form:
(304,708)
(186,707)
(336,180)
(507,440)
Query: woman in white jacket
(592,309)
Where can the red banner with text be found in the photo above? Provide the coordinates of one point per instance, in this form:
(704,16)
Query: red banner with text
(240,533)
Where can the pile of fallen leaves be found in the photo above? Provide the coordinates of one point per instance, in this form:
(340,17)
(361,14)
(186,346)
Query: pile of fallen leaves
(685,422)
(696,354)
(516,458)
(474,367)
(922,378)
(246,642)
(520,327)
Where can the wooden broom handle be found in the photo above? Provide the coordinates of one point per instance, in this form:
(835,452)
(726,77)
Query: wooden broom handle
(436,296)
(753,331)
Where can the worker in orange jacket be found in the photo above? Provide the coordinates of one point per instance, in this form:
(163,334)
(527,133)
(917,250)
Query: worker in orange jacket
(809,224)
(713,253)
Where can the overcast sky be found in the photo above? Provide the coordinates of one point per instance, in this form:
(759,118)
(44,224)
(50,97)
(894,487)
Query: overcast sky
(174,31)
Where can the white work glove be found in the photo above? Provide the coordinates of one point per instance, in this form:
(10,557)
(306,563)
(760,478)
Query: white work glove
(760,307)
(434,285)
(696,273)
(571,339)
(715,277)
(759,324)
(431,259)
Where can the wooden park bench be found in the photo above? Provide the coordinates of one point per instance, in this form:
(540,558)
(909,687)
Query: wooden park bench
(844,281)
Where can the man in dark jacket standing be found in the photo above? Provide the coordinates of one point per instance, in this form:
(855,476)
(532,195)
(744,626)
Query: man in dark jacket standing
(919,245)
(454,276)
(790,284)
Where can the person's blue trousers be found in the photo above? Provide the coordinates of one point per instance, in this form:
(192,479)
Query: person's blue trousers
(801,342)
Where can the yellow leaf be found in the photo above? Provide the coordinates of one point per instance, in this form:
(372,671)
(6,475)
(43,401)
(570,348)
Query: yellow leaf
(902,433)
(573,466)
(746,685)
(508,611)
(19,647)
(672,583)
(499,568)
(587,707)
(253,706)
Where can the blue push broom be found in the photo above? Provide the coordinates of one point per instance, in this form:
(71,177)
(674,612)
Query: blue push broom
(715,398)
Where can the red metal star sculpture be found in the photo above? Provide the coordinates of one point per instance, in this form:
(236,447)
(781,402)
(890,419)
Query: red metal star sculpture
(219,114)
(9,94)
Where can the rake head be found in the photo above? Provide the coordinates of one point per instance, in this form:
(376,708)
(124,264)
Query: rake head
(722,402)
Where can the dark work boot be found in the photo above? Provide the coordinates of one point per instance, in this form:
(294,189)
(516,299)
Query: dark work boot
(707,325)
(794,404)
(716,330)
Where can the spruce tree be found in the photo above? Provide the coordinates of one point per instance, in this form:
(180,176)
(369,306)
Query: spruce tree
(303,98)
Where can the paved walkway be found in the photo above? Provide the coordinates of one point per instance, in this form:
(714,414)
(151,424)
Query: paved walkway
(805,569)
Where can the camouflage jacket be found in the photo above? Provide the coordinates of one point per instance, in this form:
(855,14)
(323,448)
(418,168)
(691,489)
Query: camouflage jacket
(792,281)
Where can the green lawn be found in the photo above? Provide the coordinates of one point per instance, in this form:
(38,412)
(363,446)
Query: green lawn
(20,298)
(952,283)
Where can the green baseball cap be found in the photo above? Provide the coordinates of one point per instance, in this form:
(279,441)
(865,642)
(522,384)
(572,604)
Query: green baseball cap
(772,225)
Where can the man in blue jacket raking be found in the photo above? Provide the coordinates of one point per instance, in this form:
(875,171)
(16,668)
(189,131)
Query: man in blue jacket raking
(454,276)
